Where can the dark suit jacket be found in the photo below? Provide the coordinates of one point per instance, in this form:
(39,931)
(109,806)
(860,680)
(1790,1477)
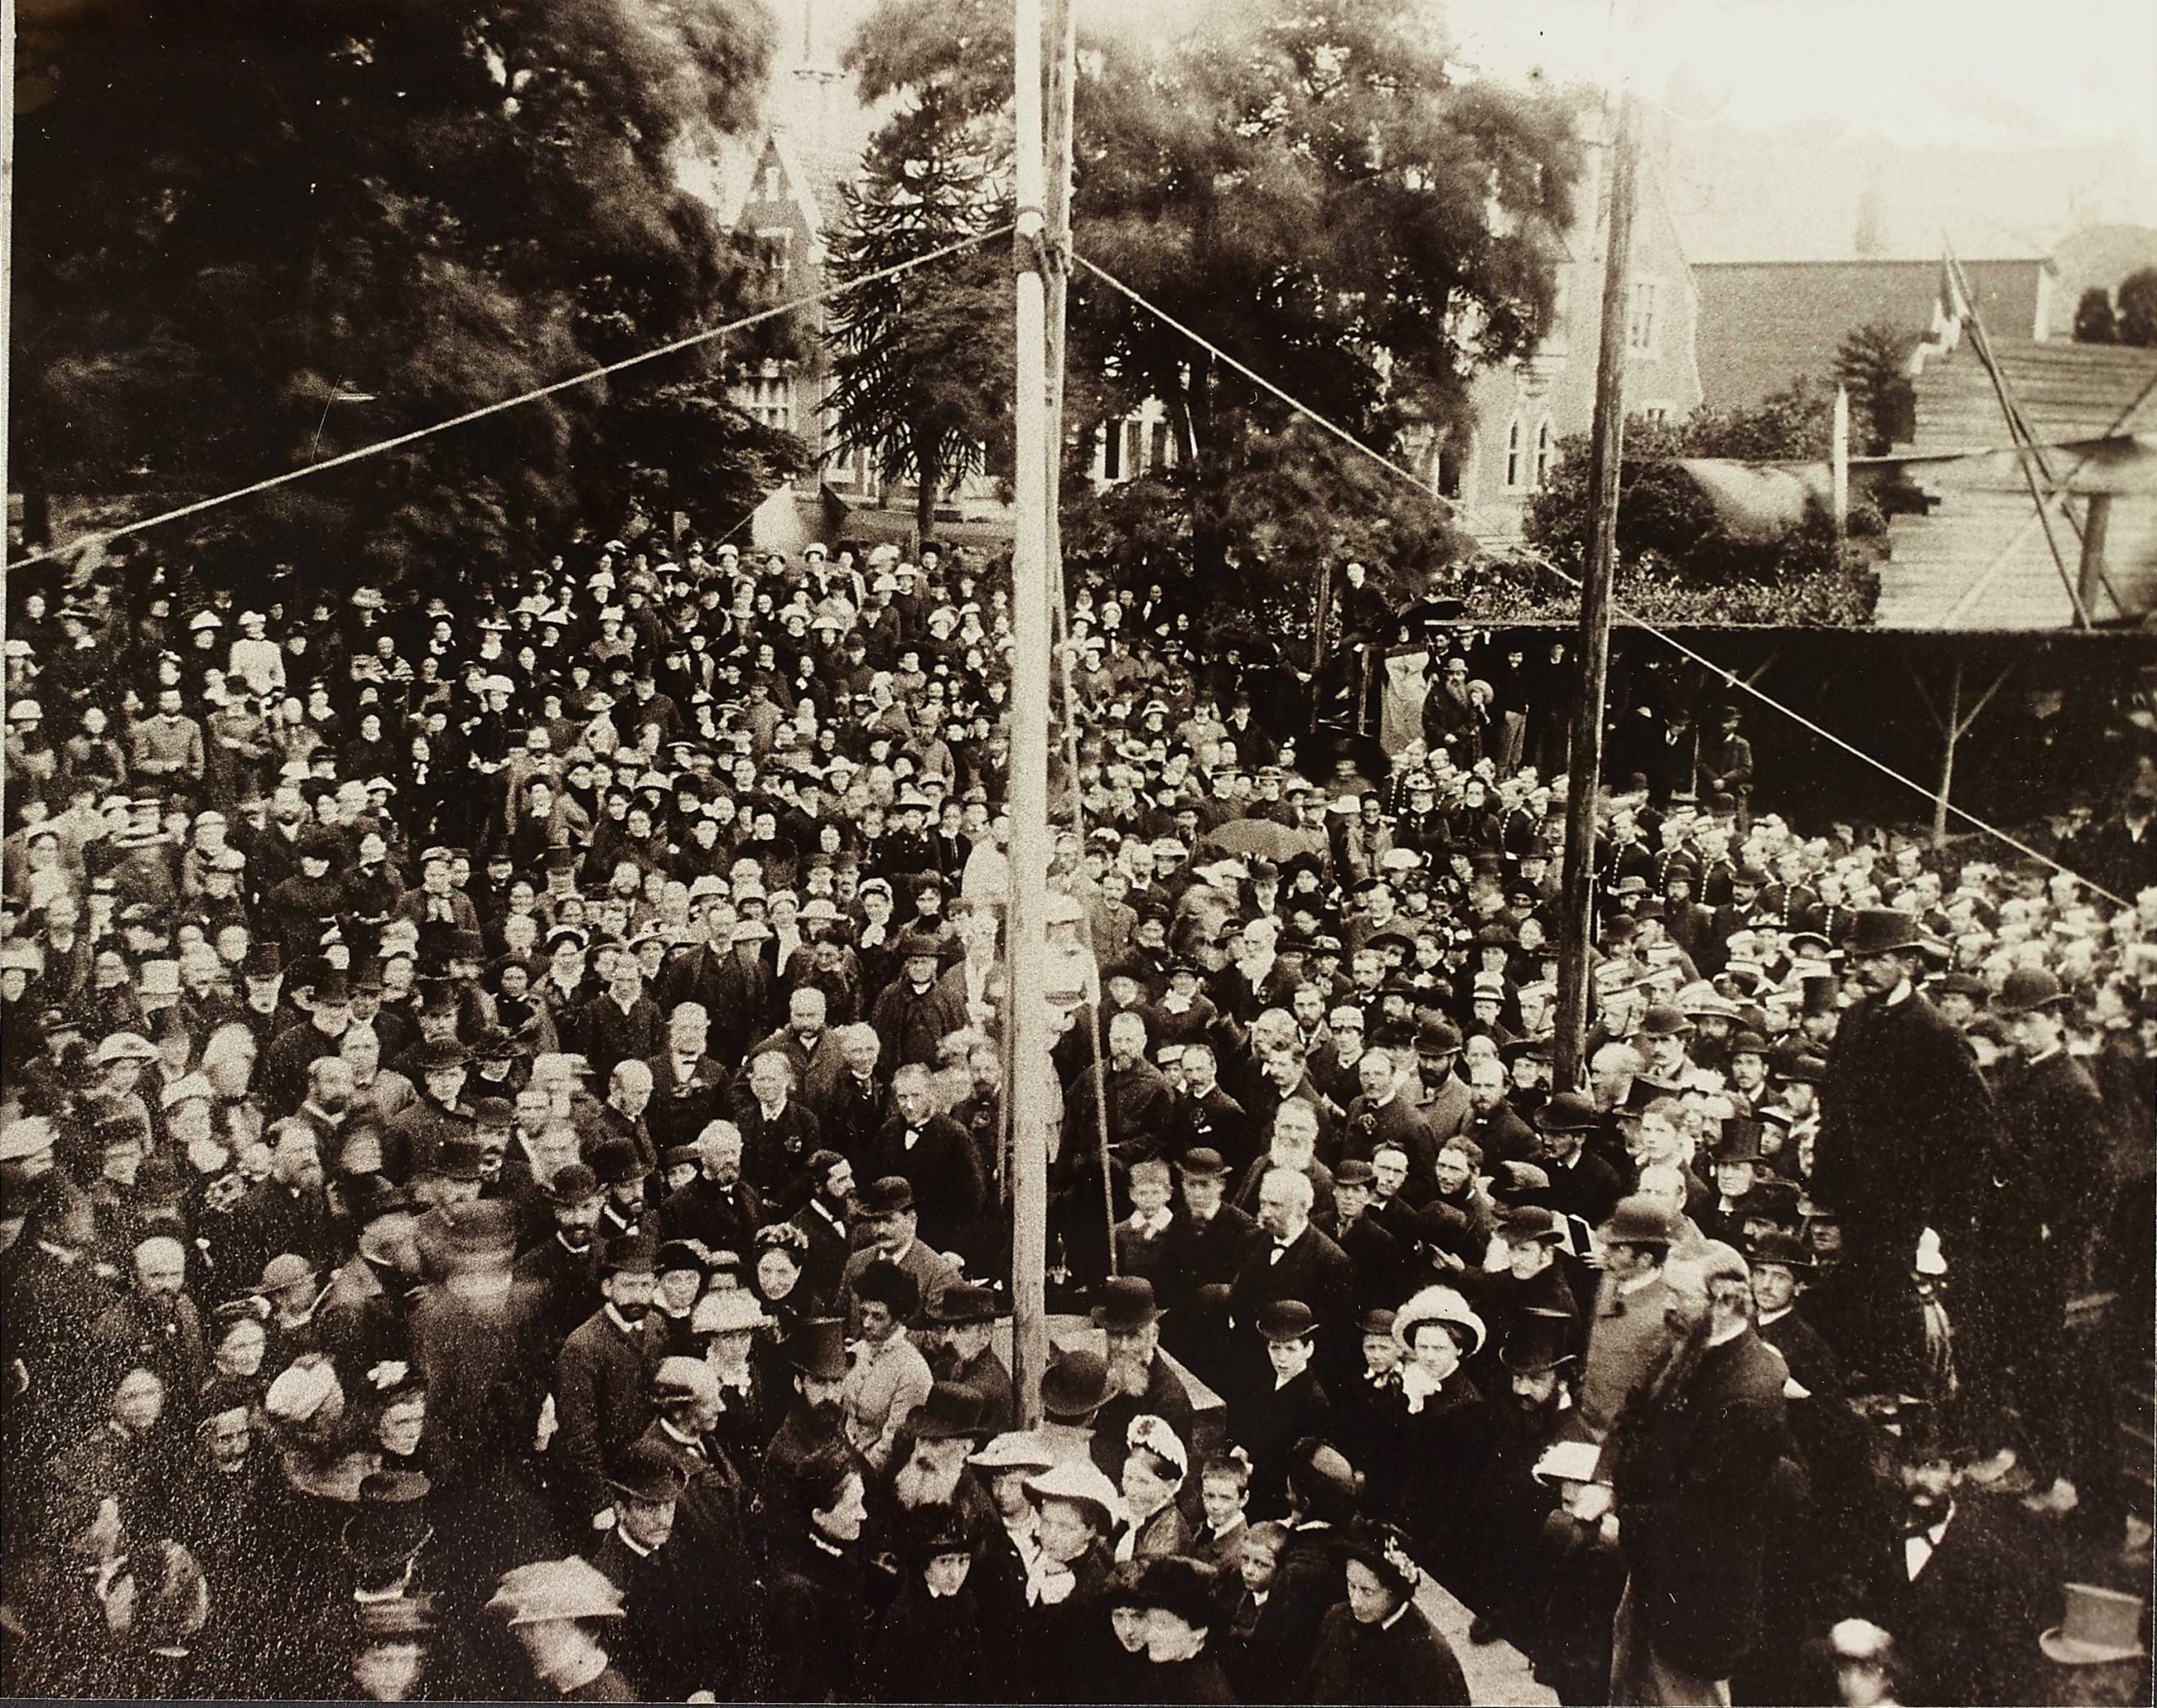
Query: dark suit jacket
(676,1114)
(602,1402)
(1905,1125)
(1691,1462)
(1966,1631)
(1313,1270)
(944,1169)
(725,1218)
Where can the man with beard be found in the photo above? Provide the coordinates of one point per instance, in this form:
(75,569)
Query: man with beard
(940,1436)
(562,1272)
(1905,1122)
(1497,1130)
(1689,1461)
(1537,1358)
(288,1212)
(817,1418)
(155,1327)
(362,1321)
(1140,1382)
(719,1208)
(603,1383)
(964,1321)
(1958,1589)
(823,1222)
(1440,1096)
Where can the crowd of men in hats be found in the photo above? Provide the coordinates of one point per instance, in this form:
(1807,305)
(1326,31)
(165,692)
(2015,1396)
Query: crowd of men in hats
(503,1186)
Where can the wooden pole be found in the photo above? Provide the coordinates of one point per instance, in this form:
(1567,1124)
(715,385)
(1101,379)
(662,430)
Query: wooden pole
(1841,451)
(1062,69)
(1027,935)
(1951,734)
(1585,774)
(2096,526)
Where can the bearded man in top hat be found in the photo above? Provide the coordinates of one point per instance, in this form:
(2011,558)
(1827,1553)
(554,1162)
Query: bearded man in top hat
(1905,1125)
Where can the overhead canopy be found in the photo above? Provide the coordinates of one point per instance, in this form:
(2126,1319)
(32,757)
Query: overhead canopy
(1764,500)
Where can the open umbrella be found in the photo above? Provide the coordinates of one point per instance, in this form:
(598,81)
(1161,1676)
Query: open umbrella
(1261,838)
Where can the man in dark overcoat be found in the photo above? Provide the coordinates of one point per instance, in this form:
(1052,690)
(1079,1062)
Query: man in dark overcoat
(1905,1127)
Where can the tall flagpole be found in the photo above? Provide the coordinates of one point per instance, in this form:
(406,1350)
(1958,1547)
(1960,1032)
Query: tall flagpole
(1027,1089)
(1584,768)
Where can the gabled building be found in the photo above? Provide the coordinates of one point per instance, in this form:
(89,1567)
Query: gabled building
(1766,325)
(1522,409)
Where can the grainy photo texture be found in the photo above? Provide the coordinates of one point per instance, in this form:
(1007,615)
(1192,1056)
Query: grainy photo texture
(1054,851)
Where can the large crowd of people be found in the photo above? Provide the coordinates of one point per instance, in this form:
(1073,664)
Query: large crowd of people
(504,1189)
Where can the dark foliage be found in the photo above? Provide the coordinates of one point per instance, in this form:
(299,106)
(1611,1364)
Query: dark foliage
(1315,192)
(249,236)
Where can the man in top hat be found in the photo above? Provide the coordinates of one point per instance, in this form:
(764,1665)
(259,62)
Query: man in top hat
(1905,1128)
(1533,1283)
(914,1013)
(963,1323)
(1538,1365)
(602,1383)
(817,1353)
(2038,1207)
(1737,1160)
(1958,1588)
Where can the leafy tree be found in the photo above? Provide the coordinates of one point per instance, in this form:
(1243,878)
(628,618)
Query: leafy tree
(922,363)
(252,234)
(1872,365)
(2137,298)
(1311,188)
(2094,322)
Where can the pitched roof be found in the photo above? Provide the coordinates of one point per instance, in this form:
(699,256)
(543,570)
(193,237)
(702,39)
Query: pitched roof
(1979,559)
(1763,324)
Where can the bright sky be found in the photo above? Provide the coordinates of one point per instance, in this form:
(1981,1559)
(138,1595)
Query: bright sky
(1970,72)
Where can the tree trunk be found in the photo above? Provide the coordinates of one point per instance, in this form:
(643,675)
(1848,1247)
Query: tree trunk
(924,503)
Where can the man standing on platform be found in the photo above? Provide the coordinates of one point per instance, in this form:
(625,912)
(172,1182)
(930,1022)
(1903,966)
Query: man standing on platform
(1905,1126)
